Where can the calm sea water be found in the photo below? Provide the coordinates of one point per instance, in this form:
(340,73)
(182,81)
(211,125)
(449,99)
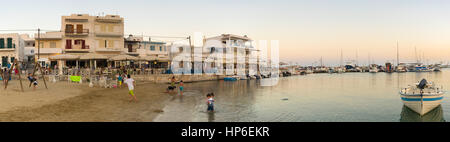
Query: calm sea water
(348,97)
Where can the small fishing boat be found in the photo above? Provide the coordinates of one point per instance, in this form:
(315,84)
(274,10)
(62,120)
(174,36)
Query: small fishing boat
(373,68)
(231,78)
(422,97)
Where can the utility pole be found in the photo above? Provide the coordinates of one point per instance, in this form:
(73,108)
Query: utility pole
(39,42)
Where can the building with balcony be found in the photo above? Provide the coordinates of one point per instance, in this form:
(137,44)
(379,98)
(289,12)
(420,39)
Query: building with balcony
(11,49)
(47,45)
(83,33)
(28,48)
(236,52)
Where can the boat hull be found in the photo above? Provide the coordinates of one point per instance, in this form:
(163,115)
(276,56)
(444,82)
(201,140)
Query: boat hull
(422,104)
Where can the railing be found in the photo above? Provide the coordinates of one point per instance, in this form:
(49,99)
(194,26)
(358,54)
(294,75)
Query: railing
(78,46)
(77,32)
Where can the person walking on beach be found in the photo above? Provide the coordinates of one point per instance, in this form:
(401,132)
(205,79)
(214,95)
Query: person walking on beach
(210,102)
(33,80)
(181,87)
(130,83)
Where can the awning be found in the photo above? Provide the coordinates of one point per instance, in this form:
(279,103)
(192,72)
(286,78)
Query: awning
(93,56)
(148,58)
(123,58)
(65,57)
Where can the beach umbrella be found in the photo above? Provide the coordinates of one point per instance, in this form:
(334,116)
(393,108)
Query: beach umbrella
(123,58)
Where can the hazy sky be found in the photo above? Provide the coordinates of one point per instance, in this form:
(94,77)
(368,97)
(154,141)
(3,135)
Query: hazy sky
(306,29)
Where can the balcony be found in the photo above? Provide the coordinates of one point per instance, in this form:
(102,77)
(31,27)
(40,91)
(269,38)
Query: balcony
(77,48)
(76,32)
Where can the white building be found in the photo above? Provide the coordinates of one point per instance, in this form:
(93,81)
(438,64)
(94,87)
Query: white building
(11,48)
(237,53)
(28,48)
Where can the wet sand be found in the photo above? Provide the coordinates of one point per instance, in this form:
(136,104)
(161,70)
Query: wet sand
(74,102)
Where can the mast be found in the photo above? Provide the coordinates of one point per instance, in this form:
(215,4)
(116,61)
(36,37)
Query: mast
(356,56)
(415,50)
(398,61)
(342,58)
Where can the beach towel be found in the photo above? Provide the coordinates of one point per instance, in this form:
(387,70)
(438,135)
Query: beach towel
(75,78)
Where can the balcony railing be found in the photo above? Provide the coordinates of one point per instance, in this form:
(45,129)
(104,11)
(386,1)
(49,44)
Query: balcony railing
(77,47)
(77,32)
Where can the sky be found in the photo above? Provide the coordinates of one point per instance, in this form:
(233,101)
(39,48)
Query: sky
(306,29)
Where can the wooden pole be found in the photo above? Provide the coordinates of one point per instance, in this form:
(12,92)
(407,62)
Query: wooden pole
(20,79)
(42,75)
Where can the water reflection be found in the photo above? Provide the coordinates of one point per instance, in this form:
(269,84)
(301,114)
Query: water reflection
(435,115)
(211,116)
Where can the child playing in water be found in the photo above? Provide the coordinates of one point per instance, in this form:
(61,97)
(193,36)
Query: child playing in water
(181,87)
(210,102)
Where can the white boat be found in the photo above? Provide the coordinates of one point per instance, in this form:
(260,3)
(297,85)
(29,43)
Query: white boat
(422,97)
(401,68)
(437,67)
(373,69)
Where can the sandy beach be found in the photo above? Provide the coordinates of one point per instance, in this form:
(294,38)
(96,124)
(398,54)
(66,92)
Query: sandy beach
(64,101)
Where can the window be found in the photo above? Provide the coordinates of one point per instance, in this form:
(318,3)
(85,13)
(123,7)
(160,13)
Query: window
(160,48)
(69,28)
(52,44)
(152,48)
(9,43)
(2,43)
(42,45)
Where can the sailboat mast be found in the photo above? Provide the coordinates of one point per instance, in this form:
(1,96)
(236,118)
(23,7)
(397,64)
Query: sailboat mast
(415,50)
(398,61)
(342,58)
(356,56)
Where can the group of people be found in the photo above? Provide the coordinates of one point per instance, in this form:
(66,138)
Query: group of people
(126,79)
(172,86)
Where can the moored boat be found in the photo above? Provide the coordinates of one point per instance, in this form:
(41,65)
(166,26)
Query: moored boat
(422,97)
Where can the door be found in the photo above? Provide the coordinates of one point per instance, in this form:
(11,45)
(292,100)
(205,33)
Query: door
(130,48)
(69,28)
(83,44)
(79,29)
(68,44)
